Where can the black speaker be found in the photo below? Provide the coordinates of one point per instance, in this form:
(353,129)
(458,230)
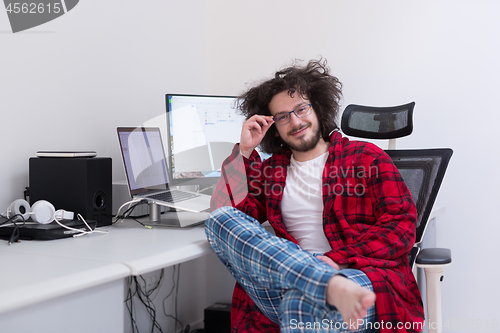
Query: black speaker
(80,185)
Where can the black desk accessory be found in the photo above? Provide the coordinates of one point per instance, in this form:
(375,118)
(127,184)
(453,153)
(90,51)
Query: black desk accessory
(37,231)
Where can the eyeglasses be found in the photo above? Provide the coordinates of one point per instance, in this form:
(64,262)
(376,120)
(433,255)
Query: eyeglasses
(283,118)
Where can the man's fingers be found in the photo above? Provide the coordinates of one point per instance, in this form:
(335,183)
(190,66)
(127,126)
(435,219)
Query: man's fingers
(253,132)
(255,126)
(264,121)
(258,123)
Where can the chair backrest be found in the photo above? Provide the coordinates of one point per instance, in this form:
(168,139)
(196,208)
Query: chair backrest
(372,122)
(422,170)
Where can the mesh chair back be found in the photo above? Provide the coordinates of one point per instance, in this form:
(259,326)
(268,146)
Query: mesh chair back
(423,171)
(378,122)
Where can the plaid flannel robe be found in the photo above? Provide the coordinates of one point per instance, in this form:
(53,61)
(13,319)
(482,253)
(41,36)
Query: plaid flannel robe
(368,217)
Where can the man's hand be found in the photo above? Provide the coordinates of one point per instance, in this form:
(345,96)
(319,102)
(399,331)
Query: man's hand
(332,263)
(253,132)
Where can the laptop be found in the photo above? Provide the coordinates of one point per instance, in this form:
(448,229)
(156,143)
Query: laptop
(147,172)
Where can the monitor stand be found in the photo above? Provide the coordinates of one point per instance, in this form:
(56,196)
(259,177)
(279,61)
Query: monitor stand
(174,219)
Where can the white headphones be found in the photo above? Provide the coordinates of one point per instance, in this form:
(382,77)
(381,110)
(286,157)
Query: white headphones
(42,211)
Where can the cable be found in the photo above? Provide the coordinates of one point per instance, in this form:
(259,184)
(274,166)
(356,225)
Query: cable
(176,297)
(145,298)
(126,214)
(158,284)
(136,203)
(148,304)
(130,308)
(175,286)
(81,232)
(119,217)
(13,220)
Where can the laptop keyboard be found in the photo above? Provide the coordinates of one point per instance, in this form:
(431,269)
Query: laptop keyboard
(172,196)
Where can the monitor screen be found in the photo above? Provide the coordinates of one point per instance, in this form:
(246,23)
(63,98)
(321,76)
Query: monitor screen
(202,133)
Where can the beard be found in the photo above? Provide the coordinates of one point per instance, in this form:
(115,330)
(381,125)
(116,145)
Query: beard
(304,144)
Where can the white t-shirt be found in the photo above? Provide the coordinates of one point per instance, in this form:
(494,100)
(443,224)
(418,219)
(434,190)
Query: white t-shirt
(302,203)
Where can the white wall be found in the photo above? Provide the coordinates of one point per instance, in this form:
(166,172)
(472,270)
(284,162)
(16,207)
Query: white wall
(69,83)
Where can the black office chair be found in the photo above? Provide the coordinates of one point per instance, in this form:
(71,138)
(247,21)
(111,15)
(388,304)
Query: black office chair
(423,171)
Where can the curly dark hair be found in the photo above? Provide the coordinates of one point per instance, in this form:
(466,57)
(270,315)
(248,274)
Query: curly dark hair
(312,81)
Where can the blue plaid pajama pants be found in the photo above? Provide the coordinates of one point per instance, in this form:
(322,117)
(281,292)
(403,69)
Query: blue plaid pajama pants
(287,283)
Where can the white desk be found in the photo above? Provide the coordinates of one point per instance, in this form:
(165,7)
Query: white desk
(27,279)
(81,280)
(142,250)
(41,293)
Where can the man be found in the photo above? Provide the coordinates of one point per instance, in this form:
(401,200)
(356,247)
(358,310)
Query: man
(344,219)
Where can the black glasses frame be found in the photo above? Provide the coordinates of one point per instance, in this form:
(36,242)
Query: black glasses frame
(289,114)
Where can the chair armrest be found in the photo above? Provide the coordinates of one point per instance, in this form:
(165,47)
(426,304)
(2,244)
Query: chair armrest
(434,256)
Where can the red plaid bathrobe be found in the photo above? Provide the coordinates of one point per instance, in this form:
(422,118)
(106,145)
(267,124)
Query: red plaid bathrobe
(368,217)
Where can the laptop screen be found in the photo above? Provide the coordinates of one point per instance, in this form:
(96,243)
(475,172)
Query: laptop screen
(143,158)
(202,132)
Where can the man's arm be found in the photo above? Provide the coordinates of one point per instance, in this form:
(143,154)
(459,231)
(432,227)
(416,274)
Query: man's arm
(240,185)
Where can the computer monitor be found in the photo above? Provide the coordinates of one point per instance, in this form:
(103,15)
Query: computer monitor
(202,131)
